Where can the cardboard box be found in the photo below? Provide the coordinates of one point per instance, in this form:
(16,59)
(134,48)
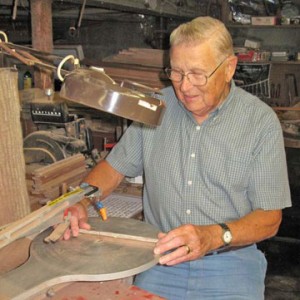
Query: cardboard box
(253,44)
(264,21)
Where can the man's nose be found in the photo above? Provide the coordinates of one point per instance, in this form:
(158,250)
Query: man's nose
(185,83)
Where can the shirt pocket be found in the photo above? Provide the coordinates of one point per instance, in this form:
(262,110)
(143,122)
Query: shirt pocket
(238,173)
(230,174)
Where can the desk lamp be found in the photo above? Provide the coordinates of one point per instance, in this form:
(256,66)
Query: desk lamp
(92,87)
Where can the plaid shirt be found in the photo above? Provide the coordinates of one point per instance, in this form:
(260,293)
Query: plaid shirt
(221,170)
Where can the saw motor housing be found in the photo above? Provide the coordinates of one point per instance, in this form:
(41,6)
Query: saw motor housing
(59,135)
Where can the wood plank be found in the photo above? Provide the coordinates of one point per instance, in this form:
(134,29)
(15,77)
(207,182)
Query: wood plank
(63,178)
(286,108)
(62,173)
(59,164)
(141,65)
(119,236)
(140,56)
(47,181)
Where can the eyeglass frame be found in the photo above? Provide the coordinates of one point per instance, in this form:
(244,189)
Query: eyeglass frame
(186,74)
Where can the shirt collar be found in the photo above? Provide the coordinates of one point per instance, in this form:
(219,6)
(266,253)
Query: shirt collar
(227,101)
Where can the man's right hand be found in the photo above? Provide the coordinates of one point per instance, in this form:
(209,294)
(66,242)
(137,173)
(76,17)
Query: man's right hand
(78,220)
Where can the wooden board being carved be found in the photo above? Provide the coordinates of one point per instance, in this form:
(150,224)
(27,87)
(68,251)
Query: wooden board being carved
(86,258)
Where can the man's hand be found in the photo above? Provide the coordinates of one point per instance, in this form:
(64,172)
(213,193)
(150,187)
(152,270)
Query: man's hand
(78,220)
(187,242)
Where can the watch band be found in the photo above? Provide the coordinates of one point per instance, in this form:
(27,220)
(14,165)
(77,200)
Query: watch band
(224,227)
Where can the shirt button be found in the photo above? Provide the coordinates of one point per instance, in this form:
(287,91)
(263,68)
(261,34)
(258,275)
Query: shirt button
(190,182)
(198,127)
(193,155)
(188,211)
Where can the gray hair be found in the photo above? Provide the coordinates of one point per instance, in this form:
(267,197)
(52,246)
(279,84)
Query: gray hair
(204,29)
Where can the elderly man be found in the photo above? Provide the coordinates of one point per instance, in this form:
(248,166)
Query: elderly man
(215,174)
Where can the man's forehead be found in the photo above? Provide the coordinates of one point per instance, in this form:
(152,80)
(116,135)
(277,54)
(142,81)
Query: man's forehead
(197,55)
(201,48)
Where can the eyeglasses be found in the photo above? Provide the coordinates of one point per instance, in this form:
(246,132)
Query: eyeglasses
(194,78)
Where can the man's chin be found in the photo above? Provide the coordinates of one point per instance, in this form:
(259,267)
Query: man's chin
(200,112)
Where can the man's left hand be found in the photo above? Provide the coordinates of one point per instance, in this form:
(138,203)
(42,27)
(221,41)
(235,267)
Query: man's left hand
(186,242)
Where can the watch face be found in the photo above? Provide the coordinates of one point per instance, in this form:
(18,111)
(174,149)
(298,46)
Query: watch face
(227,237)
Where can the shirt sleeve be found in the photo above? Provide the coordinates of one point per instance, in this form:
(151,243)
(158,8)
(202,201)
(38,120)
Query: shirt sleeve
(269,185)
(126,156)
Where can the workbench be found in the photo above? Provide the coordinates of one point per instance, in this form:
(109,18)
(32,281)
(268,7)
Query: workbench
(41,265)
(15,260)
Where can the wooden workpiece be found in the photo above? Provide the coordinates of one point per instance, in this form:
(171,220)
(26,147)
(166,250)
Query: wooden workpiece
(119,236)
(86,258)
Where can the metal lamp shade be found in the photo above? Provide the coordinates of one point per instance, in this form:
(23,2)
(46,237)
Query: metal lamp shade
(95,89)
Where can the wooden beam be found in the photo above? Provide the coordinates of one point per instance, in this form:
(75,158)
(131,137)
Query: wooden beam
(42,37)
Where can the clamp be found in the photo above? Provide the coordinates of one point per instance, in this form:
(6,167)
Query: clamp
(49,215)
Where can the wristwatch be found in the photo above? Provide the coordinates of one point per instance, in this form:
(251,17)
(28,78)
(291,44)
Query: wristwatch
(226,235)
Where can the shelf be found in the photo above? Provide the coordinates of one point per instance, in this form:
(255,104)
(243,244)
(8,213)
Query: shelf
(290,62)
(250,26)
(271,62)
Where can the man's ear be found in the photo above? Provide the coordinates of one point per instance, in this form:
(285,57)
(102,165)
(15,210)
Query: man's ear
(231,67)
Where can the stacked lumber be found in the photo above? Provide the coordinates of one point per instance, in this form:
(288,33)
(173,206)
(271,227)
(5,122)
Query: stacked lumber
(141,56)
(47,182)
(141,65)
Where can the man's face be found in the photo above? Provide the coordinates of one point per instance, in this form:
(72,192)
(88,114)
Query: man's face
(199,58)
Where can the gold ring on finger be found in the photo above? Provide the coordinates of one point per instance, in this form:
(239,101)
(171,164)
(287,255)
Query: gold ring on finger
(188,249)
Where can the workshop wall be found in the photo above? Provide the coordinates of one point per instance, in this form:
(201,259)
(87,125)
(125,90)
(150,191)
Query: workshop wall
(102,39)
